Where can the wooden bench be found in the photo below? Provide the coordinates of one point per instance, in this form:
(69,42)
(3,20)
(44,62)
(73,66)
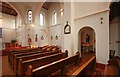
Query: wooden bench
(10,54)
(53,67)
(25,54)
(23,65)
(90,63)
(32,56)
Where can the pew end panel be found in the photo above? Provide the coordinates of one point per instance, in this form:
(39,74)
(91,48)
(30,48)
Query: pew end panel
(29,71)
(20,68)
(15,64)
(66,51)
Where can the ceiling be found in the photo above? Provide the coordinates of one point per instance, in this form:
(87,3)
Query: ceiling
(7,9)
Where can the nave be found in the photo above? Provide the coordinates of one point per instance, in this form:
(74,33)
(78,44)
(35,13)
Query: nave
(60,39)
(69,71)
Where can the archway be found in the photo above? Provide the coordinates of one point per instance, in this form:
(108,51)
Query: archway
(11,19)
(114,27)
(53,30)
(86,40)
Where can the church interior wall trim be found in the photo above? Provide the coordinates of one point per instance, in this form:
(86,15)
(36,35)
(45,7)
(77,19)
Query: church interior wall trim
(94,13)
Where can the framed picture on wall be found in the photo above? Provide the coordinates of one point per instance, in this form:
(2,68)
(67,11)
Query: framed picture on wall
(0,32)
(67,29)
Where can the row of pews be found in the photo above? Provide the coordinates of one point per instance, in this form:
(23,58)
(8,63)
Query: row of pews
(44,60)
(59,65)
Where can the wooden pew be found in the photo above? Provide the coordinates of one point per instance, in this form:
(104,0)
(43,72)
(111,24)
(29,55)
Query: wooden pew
(22,66)
(32,56)
(53,67)
(10,54)
(25,54)
(80,70)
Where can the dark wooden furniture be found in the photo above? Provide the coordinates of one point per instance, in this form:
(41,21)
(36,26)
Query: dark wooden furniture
(23,65)
(53,67)
(32,56)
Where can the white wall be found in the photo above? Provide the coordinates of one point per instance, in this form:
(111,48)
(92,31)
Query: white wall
(69,39)
(45,13)
(18,21)
(89,14)
(101,32)
(8,25)
(8,21)
(42,30)
(22,32)
(86,8)
(55,30)
(45,40)
(54,7)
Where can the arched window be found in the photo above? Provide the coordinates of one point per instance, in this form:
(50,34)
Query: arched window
(54,18)
(29,16)
(41,19)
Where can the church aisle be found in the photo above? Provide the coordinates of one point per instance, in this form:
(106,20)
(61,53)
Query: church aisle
(6,68)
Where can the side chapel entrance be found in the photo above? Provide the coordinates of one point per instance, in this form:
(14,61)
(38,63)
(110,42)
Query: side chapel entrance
(86,39)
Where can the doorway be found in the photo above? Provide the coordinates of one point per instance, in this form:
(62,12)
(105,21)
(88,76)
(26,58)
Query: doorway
(86,39)
(114,28)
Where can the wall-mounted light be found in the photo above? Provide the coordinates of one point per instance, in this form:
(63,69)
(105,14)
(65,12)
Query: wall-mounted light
(32,25)
(61,11)
(101,20)
(0,22)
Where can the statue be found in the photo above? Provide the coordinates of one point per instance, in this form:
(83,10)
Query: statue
(87,38)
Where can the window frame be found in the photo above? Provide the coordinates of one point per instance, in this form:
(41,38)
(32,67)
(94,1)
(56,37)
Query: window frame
(43,18)
(29,16)
(54,18)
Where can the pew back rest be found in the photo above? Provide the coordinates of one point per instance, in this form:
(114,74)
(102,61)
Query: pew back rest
(22,67)
(33,56)
(23,54)
(37,55)
(72,60)
(54,66)
(49,68)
